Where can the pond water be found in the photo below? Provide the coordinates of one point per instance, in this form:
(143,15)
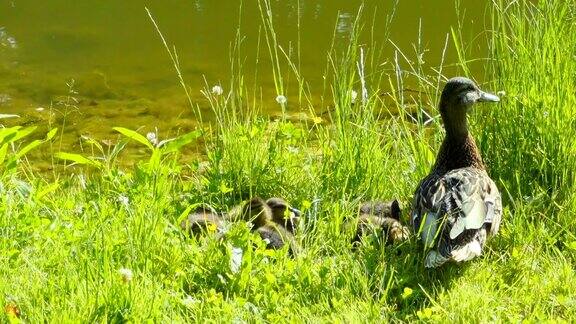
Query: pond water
(101,63)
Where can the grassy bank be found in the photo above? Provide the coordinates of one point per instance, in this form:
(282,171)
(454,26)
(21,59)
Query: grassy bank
(102,243)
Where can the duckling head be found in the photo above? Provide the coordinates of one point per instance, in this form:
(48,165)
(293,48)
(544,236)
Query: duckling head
(458,96)
(284,214)
(382,209)
(257,211)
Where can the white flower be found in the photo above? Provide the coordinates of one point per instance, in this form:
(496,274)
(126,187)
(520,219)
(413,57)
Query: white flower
(353,96)
(189,301)
(546,114)
(217,90)
(79,210)
(126,274)
(123,200)
(501,93)
(152,138)
(281,99)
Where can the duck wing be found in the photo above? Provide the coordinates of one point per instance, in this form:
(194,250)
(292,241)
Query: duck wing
(467,198)
(471,200)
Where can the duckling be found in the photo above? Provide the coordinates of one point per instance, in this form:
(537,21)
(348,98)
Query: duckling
(203,219)
(381,217)
(382,208)
(284,214)
(260,214)
(253,210)
(457,206)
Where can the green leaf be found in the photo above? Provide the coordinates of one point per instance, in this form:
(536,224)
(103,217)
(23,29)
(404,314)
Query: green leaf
(78,159)
(135,136)
(30,146)
(51,134)
(177,143)
(50,188)
(6,134)
(187,211)
(23,133)
(3,151)
(223,187)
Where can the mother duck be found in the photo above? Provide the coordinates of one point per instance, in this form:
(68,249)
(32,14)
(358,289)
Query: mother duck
(457,206)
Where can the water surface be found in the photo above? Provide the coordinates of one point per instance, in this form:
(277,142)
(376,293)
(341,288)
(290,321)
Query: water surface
(102,64)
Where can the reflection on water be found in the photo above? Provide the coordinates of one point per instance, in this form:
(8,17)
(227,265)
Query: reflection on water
(344,25)
(7,40)
(123,76)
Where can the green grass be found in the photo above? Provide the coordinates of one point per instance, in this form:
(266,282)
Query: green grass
(64,240)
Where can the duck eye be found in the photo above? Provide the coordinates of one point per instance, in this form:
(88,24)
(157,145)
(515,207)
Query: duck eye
(470,97)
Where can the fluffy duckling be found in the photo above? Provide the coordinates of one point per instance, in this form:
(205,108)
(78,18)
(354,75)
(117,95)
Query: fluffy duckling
(275,234)
(381,218)
(203,219)
(457,206)
(284,214)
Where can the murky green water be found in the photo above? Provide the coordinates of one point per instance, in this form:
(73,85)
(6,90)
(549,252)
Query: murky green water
(109,54)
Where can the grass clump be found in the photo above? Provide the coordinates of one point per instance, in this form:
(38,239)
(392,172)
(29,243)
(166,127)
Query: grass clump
(106,245)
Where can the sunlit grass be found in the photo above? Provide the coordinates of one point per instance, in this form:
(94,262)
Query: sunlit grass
(102,243)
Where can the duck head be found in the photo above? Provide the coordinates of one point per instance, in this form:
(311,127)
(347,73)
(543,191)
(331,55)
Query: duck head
(458,96)
(284,214)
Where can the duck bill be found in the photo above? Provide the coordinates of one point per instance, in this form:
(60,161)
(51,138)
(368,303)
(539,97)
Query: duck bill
(296,212)
(488,97)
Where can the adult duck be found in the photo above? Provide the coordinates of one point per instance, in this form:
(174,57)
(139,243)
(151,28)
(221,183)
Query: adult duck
(457,206)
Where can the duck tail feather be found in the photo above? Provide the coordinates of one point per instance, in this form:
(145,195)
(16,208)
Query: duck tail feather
(435,259)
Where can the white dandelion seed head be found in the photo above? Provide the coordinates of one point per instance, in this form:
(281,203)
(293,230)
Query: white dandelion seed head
(152,138)
(217,90)
(79,210)
(189,301)
(353,96)
(281,99)
(123,200)
(126,274)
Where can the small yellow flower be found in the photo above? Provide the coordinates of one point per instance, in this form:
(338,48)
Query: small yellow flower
(317,120)
(12,310)
(211,228)
(407,292)
(425,313)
